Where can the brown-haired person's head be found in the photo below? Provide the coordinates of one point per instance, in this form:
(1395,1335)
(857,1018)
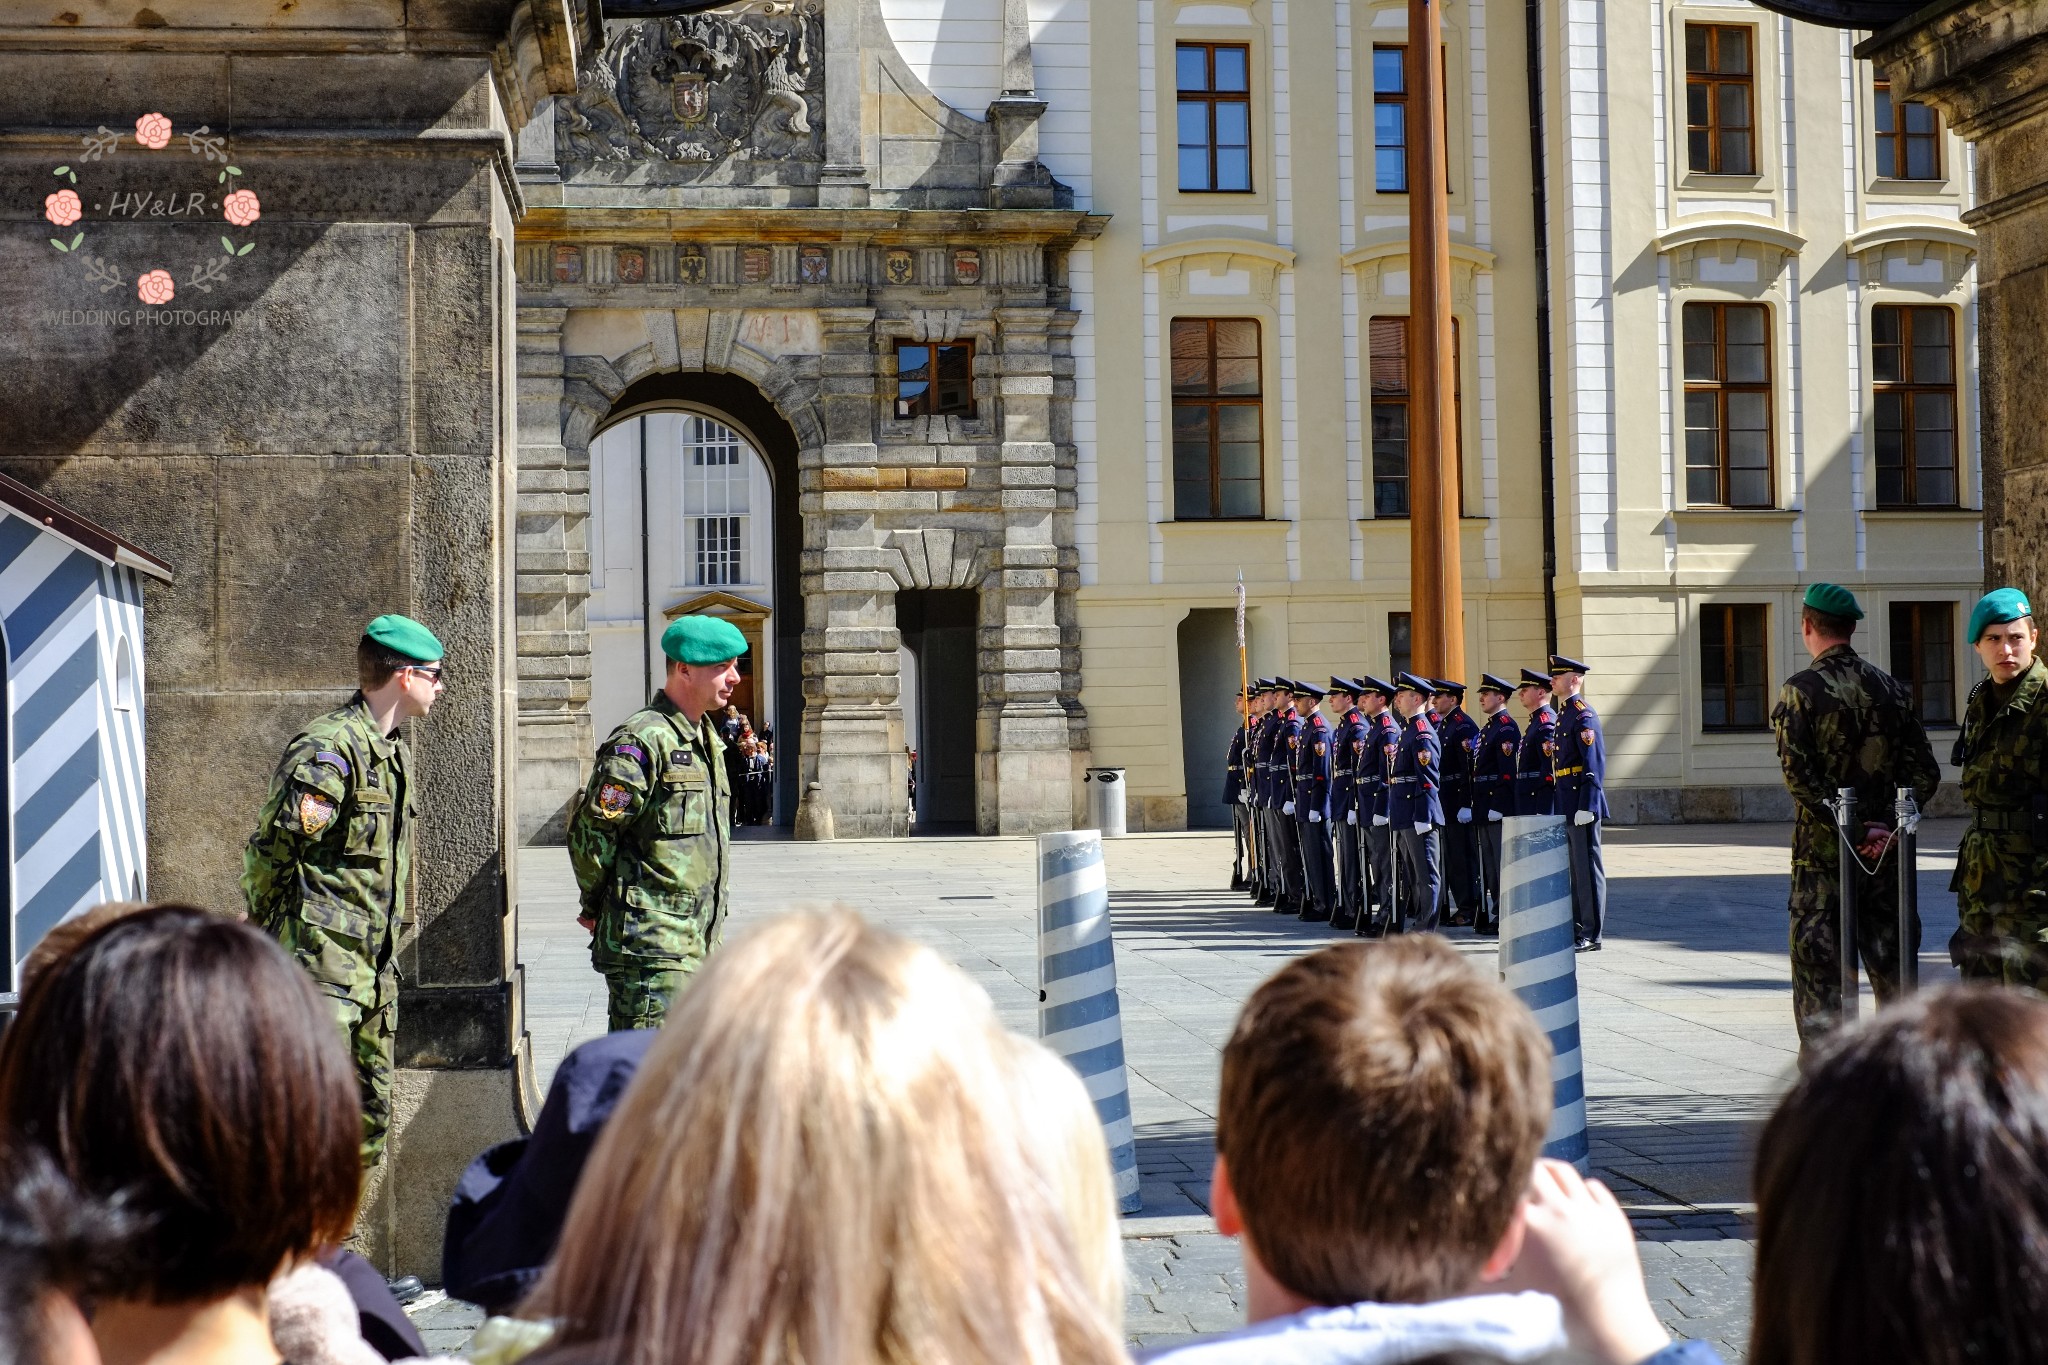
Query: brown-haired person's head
(1383,1106)
(821,1160)
(182,1063)
(1902,1191)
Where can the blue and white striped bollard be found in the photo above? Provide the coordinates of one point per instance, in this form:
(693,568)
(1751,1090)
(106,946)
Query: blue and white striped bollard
(1078,1015)
(1539,966)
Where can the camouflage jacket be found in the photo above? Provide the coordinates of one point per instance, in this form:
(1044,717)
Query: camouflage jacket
(2004,757)
(327,869)
(1845,722)
(650,840)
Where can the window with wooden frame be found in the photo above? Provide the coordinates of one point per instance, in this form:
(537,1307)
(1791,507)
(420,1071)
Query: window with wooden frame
(1214,115)
(1733,691)
(1913,404)
(1389,384)
(1390,119)
(935,381)
(1924,657)
(1218,440)
(1720,99)
(1908,136)
(1727,405)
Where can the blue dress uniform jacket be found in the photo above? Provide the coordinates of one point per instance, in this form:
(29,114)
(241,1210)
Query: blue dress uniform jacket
(1286,750)
(1382,738)
(1460,738)
(1535,782)
(1312,767)
(1262,761)
(1347,748)
(1581,760)
(1493,766)
(1418,760)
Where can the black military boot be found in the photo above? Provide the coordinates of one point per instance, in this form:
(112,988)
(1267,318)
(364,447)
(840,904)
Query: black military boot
(1315,912)
(1266,896)
(1345,920)
(1236,880)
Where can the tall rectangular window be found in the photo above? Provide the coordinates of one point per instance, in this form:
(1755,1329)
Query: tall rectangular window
(1727,405)
(1720,99)
(1390,119)
(1908,136)
(1732,688)
(935,381)
(1217,415)
(1913,400)
(1924,657)
(1389,383)
(1400,643)
(1214,116)
(718,550)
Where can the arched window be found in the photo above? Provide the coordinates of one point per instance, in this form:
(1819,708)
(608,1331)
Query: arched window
(124,675)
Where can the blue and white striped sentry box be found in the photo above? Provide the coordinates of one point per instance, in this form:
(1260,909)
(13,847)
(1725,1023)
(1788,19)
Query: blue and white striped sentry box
(1078,1016)
(1539,966)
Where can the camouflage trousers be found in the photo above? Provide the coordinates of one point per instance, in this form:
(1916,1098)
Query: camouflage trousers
(1816,909)
(640,993)
(2002,942)
(368,1030)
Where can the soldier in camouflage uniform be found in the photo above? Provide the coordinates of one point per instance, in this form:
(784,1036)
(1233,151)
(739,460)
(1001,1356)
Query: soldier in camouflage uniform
(1844,722)
(329,866)
(2001,880)
(650,840)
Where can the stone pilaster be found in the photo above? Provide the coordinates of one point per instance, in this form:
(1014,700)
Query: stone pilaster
(553,586)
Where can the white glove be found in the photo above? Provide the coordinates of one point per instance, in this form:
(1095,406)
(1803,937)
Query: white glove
(1584,817)
(1379,822)
(1315,817)
(1350,817)
(1287,809)
(1423,827)
(1494,816)
(1465,816)
(1244,798)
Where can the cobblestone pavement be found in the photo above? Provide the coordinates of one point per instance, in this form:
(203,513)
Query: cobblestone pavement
(1686,1017)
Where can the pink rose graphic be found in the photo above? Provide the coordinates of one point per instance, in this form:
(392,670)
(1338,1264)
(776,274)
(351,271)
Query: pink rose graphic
(62,208)
(242,208)
(153,131)
(155,287)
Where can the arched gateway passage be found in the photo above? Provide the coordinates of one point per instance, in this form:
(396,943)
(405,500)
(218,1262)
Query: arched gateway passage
(694,507)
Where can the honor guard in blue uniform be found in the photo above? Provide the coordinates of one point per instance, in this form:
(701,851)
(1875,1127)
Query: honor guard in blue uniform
(1535,781)
(1459,736)
(1233,789)
(1414,810)
(1347,750)
(1286,749)
(1581,756)
(1263,805)
(1493,792)
(1376,764)
(1312,806)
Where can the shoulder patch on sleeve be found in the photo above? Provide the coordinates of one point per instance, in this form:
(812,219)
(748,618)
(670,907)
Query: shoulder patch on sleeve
(612,802)
(316,812)
(333,759)
(1586,735)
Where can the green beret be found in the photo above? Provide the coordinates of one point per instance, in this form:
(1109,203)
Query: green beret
(404,636)
(702,640)
(1834,600)
(1996,608)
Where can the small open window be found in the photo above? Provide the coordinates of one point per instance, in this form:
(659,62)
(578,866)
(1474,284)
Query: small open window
(124,675)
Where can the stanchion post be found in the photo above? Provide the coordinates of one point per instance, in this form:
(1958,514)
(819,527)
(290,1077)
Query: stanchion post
(1845,955)
(1537,963)
(1908,811)
(1078,1014)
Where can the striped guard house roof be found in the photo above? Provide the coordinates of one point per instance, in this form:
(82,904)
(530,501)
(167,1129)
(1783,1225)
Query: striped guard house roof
(71,610)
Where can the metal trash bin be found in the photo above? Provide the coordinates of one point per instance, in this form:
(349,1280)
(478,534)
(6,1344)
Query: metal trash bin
(1106,800)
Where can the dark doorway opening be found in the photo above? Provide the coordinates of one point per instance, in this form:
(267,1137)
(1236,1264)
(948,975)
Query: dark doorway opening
(938,627)
(1208,710)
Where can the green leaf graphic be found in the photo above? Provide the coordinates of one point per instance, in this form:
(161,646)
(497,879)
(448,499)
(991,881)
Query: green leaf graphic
(227,246)
(59,245)
(76,240)
(246,250)
(74,177)
(222,176)
(233,171)
(61,170)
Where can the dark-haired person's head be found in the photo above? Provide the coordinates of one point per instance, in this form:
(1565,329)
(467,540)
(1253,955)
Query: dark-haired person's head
(1902,1191)
(1383,1106)
(54,1247)
(182,1063)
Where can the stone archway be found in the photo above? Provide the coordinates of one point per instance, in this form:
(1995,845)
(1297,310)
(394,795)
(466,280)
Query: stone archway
(980,511)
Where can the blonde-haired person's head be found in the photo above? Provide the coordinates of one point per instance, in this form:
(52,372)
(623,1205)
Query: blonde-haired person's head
(820,1163)
(1065,1143)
